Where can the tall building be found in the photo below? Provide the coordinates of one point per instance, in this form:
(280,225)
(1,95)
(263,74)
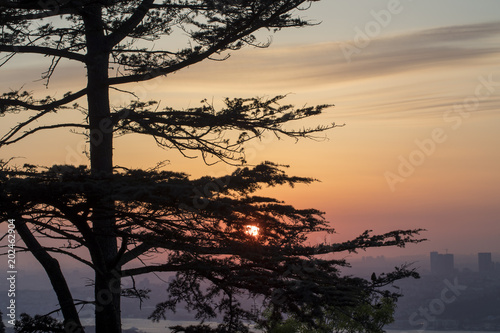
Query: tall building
(484,262)
(442,263)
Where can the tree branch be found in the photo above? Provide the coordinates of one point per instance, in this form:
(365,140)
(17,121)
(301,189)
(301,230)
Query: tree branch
(43,50)
(128,26)
(134,253)
(7,102)
(246,26)
(67,253)
(40,128)
(150,269)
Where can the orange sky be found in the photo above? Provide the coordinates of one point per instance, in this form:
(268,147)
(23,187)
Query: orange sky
(427,96)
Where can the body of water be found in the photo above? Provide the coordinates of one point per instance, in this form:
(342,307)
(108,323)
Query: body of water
(148,326)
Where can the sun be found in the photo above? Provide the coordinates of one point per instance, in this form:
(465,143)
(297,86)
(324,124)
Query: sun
(252,230)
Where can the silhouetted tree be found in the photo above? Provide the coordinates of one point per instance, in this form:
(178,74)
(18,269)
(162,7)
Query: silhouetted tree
(196,226)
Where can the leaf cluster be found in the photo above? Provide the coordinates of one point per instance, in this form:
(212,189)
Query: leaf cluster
(38,324)
(215,134)
(211,28)
(198,228)
(218,134)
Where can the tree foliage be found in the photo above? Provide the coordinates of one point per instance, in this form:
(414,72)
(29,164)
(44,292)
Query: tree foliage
(369,316)
(38,324)
(120,32)
(216,261)
(195,228)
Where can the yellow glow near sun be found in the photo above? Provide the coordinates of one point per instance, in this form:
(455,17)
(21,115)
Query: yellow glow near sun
(252,230)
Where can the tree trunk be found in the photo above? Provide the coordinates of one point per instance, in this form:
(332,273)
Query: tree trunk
(58,281)
(107,273)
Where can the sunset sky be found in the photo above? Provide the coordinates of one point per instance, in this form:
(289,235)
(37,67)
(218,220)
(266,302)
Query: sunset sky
(416,83)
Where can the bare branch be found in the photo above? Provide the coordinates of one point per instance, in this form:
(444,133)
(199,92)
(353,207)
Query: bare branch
(44,51)
(127,26)
(5,103)
(134,253)
(7,141)
(153,268)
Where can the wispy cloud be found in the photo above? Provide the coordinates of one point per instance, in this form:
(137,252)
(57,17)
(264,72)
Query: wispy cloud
(313,65)
(414,74)
(426,49)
